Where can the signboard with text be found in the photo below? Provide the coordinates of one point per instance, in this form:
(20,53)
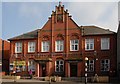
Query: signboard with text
(19,63)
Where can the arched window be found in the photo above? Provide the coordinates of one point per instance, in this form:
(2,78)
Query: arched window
(59,43)
(59,65)
(45,44)
(74,42)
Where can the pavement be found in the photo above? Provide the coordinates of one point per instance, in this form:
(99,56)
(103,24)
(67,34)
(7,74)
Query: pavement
(34,81)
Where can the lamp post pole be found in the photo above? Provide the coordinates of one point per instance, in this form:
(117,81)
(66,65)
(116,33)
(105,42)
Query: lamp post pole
(95,73)
(86,59)
(95,59)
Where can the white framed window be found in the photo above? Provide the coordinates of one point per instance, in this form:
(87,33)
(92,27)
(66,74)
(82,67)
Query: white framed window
(59,66)
(74,45)
(59,45)
(11,66)
(31,65)
(105,65)
(31,46)
(45,46)
(89,44)
(18,47)
(90,64)
(105,43)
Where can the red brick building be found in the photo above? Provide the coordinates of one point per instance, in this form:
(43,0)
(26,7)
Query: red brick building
(60,48)
(5,55)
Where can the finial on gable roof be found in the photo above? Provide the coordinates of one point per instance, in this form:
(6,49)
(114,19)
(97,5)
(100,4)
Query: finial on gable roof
(60,3)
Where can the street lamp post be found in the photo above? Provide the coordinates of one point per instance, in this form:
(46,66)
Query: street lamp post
(95,59)
(86,59)
(95,53)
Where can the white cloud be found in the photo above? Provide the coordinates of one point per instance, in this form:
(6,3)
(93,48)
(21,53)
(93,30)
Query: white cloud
(60,0)
(102,14)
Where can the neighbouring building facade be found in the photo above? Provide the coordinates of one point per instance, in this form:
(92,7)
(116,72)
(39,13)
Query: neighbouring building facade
(118,50)
(0,55)
(60,48)
(4,57)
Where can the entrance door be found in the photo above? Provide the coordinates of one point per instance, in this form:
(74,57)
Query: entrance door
(43,70)
(73,69)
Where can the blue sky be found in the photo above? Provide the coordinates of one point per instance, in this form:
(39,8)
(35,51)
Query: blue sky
(22,17)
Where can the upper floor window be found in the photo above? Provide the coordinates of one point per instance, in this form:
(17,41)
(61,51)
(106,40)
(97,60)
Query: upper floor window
(89,44)
(105,65)
(59,66)
(74,45)
(105,43)
(90,65)
(31,46)
(45,46)
(18,47)
(59,45)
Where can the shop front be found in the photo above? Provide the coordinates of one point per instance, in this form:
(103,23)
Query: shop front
(18,67)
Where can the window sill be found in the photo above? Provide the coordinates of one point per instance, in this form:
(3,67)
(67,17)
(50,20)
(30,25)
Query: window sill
(59,72)
(105,49)
(45,52)
(31,52)
(89,50)
(59,51)
(74,50)
(104,71)
(18,53)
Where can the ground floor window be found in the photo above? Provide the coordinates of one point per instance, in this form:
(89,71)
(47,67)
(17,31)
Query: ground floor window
(90,64)
(11,67)
(19,65)
(105,65)
(20,68)
(31,65)
(59,66)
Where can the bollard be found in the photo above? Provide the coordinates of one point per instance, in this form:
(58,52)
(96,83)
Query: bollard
(49,80)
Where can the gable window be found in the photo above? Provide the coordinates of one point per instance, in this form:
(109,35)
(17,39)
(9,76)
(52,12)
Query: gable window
(105,43)
(45,46)
(74,45)
(18,47)
(90,65)
(59,66)
(31,46)
(59,45)
(89,44)
(105,65)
